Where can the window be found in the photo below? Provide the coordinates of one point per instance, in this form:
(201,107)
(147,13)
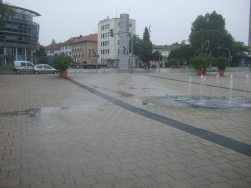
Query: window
(39,66)
(47,67)
(51,52)
(66,47)
(62,47)
(23,64)
(29,65)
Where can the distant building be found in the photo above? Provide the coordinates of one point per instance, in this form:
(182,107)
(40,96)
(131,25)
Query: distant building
(83,48)
(66,46)
(19,38)
(108,47)
(165,49)
(53,48)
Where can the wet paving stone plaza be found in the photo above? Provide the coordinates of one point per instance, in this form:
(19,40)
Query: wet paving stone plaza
(114,129)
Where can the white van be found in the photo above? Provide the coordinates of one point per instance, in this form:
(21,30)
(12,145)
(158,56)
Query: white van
(23,66)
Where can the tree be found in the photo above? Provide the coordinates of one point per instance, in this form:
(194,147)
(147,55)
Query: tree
(182,52)
(239,49)
(208,32)
(156,56)
(6,11)
(62,61)
(42,60)
(222,62)
(146,38)
(40,52)
(199,62)
(146,35)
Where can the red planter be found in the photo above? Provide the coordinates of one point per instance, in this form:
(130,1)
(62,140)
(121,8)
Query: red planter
(221,72)
(199,71)
(204,71)
(63,74)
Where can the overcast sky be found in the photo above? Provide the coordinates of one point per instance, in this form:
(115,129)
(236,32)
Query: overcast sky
(170,20)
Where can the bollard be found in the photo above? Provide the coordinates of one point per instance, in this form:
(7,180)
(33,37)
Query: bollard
(75,70)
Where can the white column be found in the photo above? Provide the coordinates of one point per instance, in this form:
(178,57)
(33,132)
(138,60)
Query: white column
(25,54)
(16,55)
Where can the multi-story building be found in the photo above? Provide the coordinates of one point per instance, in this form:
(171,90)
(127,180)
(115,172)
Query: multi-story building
(83,48)
(19,37)
(108,47)
(66,47)
(53,48)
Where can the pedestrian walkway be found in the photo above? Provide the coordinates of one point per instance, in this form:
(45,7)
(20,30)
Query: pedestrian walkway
(105,130)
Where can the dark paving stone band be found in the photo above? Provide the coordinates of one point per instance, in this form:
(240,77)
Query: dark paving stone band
(207,135)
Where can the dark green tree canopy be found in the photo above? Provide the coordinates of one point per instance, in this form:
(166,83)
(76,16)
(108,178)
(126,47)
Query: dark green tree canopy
(208,33)
(156,56)
(42,60)
(146,35)
(182,52)
(40,52)
(211,21)
(6,11)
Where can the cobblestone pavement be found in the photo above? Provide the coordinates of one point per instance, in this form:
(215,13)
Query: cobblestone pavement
(55,134)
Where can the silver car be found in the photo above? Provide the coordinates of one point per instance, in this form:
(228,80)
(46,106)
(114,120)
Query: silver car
(44,68)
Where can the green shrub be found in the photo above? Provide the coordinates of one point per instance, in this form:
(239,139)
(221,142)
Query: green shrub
(199,62)
(222,62)
(62,61)
(6,67)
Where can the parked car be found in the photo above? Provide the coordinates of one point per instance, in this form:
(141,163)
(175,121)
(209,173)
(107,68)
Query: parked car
(23,66)
(44,68)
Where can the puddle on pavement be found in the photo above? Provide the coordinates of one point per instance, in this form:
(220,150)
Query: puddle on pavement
(237,104)
(50,110)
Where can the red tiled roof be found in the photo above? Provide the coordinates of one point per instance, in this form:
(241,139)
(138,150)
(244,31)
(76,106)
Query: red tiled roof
(91,37)
(54,46)
(70,41)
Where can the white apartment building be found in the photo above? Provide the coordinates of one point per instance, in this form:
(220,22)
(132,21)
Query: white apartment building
(108,47)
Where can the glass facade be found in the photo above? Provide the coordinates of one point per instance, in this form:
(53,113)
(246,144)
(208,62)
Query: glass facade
(19,38)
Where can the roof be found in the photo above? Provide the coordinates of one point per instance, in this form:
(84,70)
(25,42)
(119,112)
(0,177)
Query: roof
(54,46)
(70,41)
(91,37)
(24,9)
(167,47)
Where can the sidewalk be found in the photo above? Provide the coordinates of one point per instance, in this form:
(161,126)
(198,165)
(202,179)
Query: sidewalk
(54,133)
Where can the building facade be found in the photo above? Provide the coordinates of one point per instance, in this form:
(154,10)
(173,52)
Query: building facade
(19,37)
(108,47)
(53,48)
(84,47)
(66,47)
